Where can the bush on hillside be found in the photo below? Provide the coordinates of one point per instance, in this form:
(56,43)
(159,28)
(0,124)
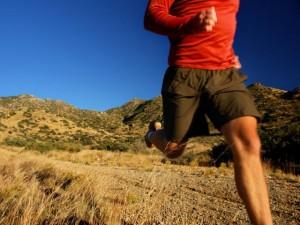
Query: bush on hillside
(83,138)
(280,147)
(2,127)
(42,146)
(48,146)
(12,113)
(2,115)
(15,141)
(111,145)
(27,123)
(221,153)
(27,114)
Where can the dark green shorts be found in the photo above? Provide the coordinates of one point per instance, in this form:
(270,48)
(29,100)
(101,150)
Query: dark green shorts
(190,94)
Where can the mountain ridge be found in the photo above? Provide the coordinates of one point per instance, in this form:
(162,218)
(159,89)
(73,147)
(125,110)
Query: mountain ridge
(27,117)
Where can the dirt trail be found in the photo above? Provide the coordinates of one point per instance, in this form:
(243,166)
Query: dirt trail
(200,196)
(177,195)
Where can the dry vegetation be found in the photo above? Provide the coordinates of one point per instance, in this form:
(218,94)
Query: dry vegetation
(100,187)
(48,177)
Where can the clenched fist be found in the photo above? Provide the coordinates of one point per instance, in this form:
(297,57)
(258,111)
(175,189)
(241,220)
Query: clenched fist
(202,21)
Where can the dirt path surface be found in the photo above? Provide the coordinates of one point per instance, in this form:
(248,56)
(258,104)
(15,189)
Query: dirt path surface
(181,195)
(170,194)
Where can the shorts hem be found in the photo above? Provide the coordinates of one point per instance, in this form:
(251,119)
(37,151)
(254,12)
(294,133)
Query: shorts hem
(228,119)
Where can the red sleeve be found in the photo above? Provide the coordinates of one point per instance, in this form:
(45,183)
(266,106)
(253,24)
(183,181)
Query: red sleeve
(158,19)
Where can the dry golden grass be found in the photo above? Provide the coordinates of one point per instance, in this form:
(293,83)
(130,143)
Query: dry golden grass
(37,190)
(92,157)
(105,188)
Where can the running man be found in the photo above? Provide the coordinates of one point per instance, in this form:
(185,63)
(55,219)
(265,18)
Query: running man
(203,78)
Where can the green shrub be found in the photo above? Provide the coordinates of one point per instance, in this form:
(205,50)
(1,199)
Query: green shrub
(44,128)
(83,138)
(65,122)
(2,127)
(2,115)
(68,146)
(48,146)
(12,113)
(111,146)
(138,145)
(221,153)
(40,146)
(27,114)
(15,141)
(27,123)
(20,125)
(281,146)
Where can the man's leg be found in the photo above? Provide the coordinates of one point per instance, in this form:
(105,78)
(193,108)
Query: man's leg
(241,135)
(159,140)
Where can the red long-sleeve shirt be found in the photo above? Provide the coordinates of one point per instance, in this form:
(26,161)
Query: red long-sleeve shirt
(204,50)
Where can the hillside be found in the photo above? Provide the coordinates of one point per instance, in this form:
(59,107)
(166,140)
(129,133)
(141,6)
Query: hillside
(278,107)
(26,119)
(30,119)
(122,187)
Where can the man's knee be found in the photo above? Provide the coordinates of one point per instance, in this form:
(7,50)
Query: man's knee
(174,150)
(248,147)
(253,146)
(241,133)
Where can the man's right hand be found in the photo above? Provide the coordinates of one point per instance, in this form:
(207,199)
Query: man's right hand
(203,21)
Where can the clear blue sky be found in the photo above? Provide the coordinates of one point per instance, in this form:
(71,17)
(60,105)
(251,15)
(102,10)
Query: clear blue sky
(96,55)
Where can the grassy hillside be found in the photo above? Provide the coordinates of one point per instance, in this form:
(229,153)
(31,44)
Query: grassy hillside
(43,124)
(26,120)
(130,185)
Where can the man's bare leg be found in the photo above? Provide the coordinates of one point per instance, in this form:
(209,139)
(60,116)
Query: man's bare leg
(159,140)
(241,135)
